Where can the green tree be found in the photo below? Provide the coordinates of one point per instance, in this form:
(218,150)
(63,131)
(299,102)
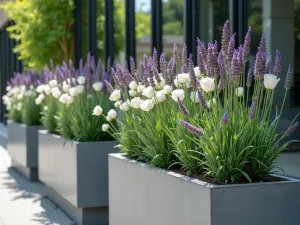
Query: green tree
(173,17)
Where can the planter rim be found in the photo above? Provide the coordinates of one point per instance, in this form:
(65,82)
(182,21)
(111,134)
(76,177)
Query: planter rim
(75,142)
(122,156)
(23,124)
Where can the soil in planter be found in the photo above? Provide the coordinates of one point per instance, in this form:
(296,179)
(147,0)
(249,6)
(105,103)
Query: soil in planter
(211,180)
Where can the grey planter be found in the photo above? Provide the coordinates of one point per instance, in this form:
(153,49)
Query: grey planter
(141,194)
(76,176)
(22,145)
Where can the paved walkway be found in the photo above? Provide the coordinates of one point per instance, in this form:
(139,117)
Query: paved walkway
(22,202)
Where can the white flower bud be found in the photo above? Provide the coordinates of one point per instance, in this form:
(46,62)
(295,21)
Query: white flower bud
(112,113)
(105,127)
(133,85)
(73,91)
(148,92)
(115,95)
(53,83)
(79,89)
(177,93)
(161,96)
(132,93)
(135,102)
(168,89)
(81,80)
(124,106)
(97,86)
(147,105)
(97,110)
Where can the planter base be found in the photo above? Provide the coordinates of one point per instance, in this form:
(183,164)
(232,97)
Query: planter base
(82,216)
(28,173)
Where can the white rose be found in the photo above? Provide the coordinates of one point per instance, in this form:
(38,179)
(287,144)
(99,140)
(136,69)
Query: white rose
(56,94)
(97,86)
(66,88)
(112,113)
(79,88)
(270,81)
(194,96)
(132,93)
(183,78)
(41,96)
(97,110)
(178,93)
(81,80)
(40,88)
(105,127)
(240,91)
(8,88)
(19,106)
(208,104)
(133,85)
(53,83)
(117,104)
(38,101)
(197,72)
(147,105)
(140,88)
(124,106)
(161,84)
(47,89)
(63,98)
(115,95)
(207,84)
(135,102)
(20,96)
(73,91)
(161,96)
(108,118)
(168,89)
(148,92)
(70,100)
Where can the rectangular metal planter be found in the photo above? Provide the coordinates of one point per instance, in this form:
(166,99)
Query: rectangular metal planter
(22,146)
(143,195)
(76,176)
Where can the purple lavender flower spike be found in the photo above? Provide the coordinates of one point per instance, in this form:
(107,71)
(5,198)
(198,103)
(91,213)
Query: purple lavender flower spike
(175,53)
(162,63)
(184,54)
(235,68)
(192,73)
(115,78)
(252,111)
(249,78)
(263,43)
(151,75)
(291,129)
(259,65)
(230,50)
(169,72)
(184,68)
(202,49)
(225,119)
(201,99)
(247,44)
(268,65)
(192,129)
(183,109)
(154,58)
(156,75)
(277,65)
(200,60)
(132,65)
(225,38)
(109,86)
(288,78)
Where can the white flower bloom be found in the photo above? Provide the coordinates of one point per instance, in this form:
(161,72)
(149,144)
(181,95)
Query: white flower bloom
(79,89)
(177,93)
(161,96)
(147,105)
(54,89)
(115,95)
(56,94)
(53,83)
(73,81)
(108,118)
(29,93)
(112,113)
(73,91)
(208,104)
(105,127)
(240,91)
(20,96)
(81,80)
(47,89)
(133,85)
(97,86)
(168,89)
(45,108)
(40,88)
(197,72)
(135,102)
(5,98)
(19,106)
(161,84)
(194,96)
(23,88)
(63,98)
(124,106)
(132,93)
(270,81)
(214,101)
(41,96)
(140,88)
(8,88)
(183,78)
(148,92)
(180,85)
(66,88)
(117,104)
(70,100)
(97,110)
(38,101)
(207,84)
